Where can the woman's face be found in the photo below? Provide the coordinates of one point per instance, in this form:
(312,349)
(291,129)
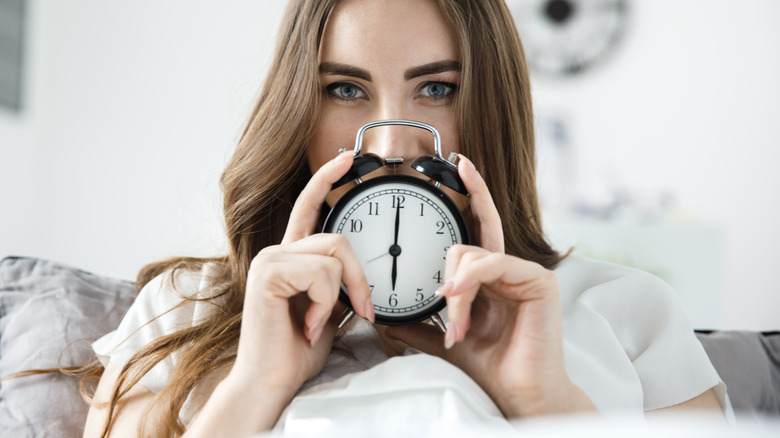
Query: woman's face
(386,59)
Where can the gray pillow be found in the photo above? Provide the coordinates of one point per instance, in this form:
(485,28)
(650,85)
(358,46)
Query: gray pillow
(51,312)
(749,364)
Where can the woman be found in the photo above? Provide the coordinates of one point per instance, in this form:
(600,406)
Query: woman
(242,339)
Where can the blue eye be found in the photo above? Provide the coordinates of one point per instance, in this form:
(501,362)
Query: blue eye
(438,90)
(345,90)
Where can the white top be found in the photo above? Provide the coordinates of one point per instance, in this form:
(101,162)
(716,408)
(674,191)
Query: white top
(627,344)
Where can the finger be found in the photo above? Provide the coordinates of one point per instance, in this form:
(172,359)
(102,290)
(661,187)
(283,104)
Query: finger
(510,280)
(455,310)
(460,295)
(306,210)
(458,304)
(316,275)
(317,316)
(351,272)
(276,284)
(518,279)
(453,258)
(469,268)
(491,235)
(330,329)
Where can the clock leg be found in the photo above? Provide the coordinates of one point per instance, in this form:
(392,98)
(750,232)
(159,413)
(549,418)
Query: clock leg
(438,322)
(347,317)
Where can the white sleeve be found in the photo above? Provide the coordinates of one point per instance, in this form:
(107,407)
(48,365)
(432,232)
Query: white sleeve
(650,323)
(158,310)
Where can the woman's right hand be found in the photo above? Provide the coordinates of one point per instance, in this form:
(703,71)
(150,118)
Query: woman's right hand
(292,291)
(288,322)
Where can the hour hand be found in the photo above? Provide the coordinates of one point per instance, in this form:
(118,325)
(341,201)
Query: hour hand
(393,275)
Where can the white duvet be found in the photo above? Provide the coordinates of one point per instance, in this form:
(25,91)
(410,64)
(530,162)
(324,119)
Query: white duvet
(414,394)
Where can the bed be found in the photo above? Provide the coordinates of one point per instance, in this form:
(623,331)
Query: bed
(46,306)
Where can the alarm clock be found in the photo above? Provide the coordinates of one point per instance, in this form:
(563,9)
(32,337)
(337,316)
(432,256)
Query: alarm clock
(400,227)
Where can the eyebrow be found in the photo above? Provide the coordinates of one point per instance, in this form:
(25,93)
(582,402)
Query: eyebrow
(432,68)
(335,68)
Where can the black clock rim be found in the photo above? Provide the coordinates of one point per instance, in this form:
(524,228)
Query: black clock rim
(426,186)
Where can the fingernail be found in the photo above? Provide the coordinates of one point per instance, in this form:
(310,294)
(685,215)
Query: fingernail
(342,156)
(317,332)
(467,161)
(316,326)
(449,337)
(369,310)
(446,287)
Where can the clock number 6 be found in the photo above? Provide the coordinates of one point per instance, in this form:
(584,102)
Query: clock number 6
(393,301)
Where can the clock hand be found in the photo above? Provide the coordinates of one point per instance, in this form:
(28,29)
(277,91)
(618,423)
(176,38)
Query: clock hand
(397,222)
(394,247)
(395,271)
(378,257)
(395,250)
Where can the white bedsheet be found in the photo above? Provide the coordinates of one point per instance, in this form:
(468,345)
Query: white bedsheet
(408,393)
(584,426)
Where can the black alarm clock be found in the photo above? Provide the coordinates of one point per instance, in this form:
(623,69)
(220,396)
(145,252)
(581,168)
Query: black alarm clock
(400,228)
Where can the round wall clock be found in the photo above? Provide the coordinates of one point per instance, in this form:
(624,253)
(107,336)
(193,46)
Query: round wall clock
(566,37)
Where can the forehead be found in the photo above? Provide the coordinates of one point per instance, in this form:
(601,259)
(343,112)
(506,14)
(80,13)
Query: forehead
(412,32)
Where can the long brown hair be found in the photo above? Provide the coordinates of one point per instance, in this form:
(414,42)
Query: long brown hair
(496,120)
(268,170)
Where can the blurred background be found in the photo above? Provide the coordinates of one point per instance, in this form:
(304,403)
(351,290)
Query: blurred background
(656,122)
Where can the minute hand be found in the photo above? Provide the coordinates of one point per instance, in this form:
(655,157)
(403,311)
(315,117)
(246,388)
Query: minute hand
(395,250)
(397,223)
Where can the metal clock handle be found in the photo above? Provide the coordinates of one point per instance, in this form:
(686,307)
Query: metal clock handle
(412,123)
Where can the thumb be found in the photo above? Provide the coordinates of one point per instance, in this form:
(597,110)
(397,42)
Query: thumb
(421,336)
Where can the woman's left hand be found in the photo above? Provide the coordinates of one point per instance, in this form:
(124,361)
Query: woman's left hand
(505,322)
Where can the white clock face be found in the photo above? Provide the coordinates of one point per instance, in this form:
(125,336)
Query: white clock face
(400,229)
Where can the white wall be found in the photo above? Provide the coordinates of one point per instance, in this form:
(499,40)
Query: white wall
(686,107)
(132,109)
